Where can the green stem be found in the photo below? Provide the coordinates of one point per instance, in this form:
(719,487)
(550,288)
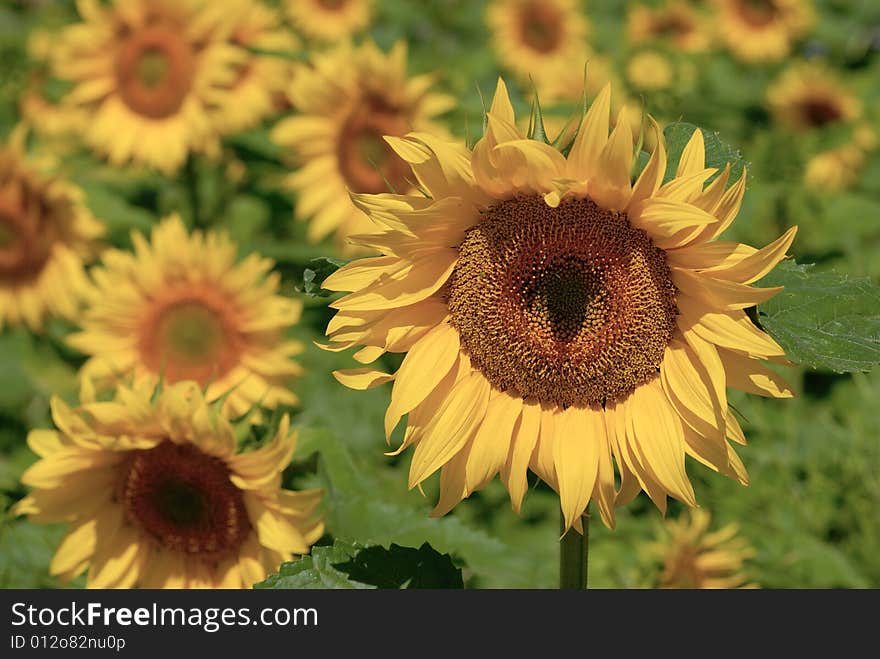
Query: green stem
(574,554)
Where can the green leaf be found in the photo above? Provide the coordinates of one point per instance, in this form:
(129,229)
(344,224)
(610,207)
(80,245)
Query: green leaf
(718,152)
(321,268)
(824,320)
(404,567)
(316,570)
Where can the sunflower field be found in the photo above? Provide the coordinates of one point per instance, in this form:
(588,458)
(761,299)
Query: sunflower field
(441,294)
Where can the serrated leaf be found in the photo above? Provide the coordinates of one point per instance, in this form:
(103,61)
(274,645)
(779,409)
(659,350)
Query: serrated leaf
(823,320)
(319,269)
(718,152)
(316,570)
(403,567)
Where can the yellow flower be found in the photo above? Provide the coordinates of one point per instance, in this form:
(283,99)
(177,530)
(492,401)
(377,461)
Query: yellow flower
(260,82)
(557,316)
(537,38)
(348,98)
(568,80)
(157,495)
(46,234)
(694,557)
(329,20)
(145,71)
(835,169)
(649,71)
(809,95)
(763,30)
(182,308)
(676,23)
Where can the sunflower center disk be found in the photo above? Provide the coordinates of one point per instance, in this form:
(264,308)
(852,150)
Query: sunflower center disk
(541,27)
(184,499)
(23,250)
(367,163)
(332,5)
(758,12)
(567,306)
(819,112)
(155,70)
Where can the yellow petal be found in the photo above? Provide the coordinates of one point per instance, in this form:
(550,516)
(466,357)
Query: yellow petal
(525,436)
(492,441)
(579,435)
(583,160)
(751,376)
(757,264)
(720,293)
(652,176)
(362,378)
(693,157)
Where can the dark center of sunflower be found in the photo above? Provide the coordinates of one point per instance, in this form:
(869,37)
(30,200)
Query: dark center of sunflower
(758,12)
(568,305)
(154,70)
(818,112)
(681,570)
(366,161)
(673,25)
(184,500)
(24,246)
(191,336)
(540,26)
(332,5)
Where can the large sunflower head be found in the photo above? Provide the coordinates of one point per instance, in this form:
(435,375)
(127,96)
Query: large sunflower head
(694,557)
(557,315)
(348,99)
(145,71)
(329,20)
(46,234)
(677,23)
(181,307)
(533,37)
(158,495)
(809,95)
(763,30)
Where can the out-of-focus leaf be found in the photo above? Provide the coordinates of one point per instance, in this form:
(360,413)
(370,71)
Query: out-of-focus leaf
(256,144)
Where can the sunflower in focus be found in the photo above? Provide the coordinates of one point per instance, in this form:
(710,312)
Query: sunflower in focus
(46,235)
(763,30)
(677,23)
(257,91)
(182,308)
(145,71)
(809,95)
(158,496)
(348,99)
(559,317)
(538,38)
(694,557)
(329,20)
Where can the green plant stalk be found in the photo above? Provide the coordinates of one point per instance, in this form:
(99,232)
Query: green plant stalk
(574,555)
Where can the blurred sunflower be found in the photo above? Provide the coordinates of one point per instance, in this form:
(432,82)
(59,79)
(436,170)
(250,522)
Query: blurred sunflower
(258,88)
(649,71)
(46,235)
(538,38)
(348,98)
(677,23)
(695,558)
(158,496)
(182,308)
(329,20)
(763,30)
(557,316)
(810,95)
(835,169)
(144,71)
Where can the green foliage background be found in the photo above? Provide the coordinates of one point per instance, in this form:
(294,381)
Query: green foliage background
(811,511)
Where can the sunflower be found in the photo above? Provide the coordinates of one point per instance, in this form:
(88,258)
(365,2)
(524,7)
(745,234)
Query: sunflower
(535,38)
(762,30)
(144,71)
(835,169)
(260,82)
(649,71)
(46,235)
(809,95)
(158,496)
(329,20)
(182,308)
(348,98)
(557,316)
(693,557)
(677,23)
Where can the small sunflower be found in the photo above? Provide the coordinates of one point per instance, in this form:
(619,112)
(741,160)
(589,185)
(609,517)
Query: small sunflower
(347,99)
(809,95)
(835,169)
(257,90)
(694,557)
(763,30)
(650,71)
(329,20)
(46,235)
(144,71)
(158,496)
(182,308)
(677,23)
(557,316)
(537,38)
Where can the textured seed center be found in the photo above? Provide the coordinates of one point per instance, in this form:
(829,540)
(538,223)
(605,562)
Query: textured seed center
(568,305)
(184,500)
(541,27)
